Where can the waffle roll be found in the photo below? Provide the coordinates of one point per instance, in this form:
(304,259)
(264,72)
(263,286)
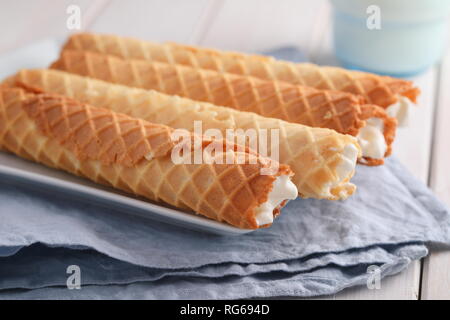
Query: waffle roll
(335,110)
(380,90)
(323,160)
(135,156)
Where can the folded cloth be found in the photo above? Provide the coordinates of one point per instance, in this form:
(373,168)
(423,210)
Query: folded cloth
(198,285)
(316,247)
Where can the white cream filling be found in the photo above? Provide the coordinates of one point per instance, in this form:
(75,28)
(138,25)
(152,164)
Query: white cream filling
(400,110)
(348,163)
(283,189)
(371,139)
(345,169)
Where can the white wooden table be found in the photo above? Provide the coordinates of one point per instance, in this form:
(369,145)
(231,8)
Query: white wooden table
(254,25)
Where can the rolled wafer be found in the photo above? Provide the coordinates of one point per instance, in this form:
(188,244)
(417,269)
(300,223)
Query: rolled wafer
(137,156)
(380,90)
(297,104)
(323,160)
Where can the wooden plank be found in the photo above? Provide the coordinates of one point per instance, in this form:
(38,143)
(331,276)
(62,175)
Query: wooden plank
(322,45)
(436,276)
(26,21)
(436,272)
(403,286)
(413,144)
(412,147)
(155,20)
(254,26)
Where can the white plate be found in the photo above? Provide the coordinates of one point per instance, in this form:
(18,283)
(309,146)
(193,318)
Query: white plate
(40,55)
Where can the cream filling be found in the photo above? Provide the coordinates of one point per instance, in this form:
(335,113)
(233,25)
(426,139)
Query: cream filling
(348,163)
(371,139)
(400,110)
(283,189)
(344,170)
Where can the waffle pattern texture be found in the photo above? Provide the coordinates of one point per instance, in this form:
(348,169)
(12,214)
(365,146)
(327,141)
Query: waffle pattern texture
(132,155)
(314,154)
(379,90)
(340,111)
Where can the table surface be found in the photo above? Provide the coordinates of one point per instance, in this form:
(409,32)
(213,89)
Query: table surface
(253,26)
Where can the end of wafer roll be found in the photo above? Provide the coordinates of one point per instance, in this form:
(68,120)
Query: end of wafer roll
(376,136)
(399,88)
(271,186)
(280,191)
